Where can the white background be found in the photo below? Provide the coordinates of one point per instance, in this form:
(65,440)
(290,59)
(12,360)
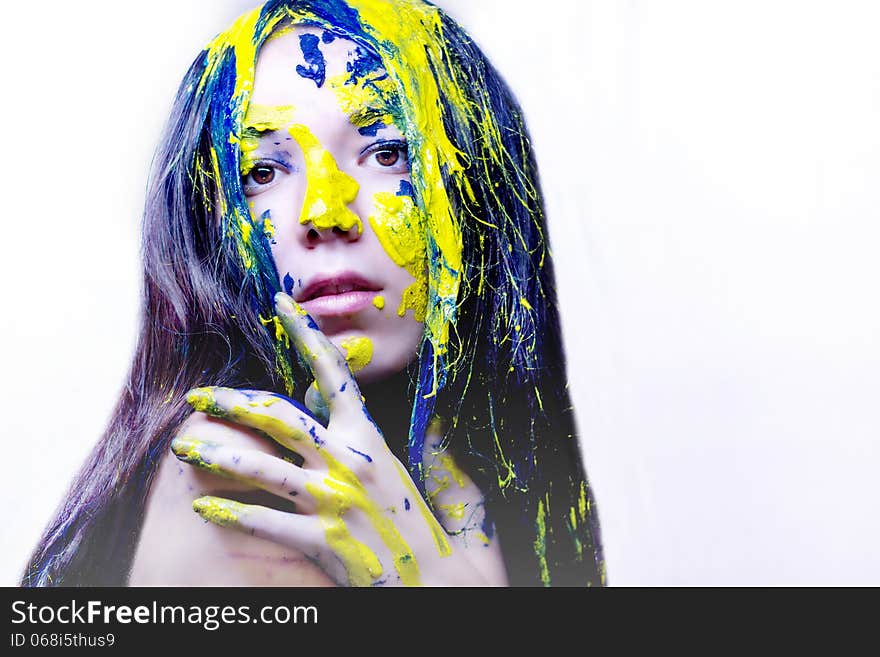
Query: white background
(711,171)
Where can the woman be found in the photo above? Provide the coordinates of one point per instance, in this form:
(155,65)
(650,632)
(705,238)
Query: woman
(344,210)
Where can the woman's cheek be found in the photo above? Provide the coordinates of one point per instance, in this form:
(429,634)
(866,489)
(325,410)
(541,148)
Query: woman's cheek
(400,229)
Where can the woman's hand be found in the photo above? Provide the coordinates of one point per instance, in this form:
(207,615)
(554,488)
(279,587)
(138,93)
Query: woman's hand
(358,513)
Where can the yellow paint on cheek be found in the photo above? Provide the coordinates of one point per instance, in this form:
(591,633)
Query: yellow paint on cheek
(328,190)
(340,492)
(399,227)
(219,511)
(358,352)
(379,301)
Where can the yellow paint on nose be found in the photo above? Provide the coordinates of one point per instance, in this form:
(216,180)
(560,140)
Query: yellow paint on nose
(328,190)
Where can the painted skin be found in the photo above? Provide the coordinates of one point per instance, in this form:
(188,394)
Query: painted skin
(358,517)
(321,180)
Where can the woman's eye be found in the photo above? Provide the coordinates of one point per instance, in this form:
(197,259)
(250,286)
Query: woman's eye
(390,156)
(262,175)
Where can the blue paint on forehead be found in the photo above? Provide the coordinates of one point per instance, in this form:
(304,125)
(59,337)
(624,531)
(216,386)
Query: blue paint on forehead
(363,62)
(372,129)
(328,36)
(316,69)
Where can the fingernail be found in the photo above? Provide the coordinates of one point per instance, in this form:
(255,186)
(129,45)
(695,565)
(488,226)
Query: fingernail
(217,510)
(182,446)
(204,400)
(284,303)
(192,451)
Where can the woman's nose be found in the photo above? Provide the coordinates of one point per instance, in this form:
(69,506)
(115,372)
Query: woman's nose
(314,236)
(329,190)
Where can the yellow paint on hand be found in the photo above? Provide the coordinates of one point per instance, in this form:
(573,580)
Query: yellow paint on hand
(328,190)
(340,491)
(219,511)
(379,301)
(441,542)
(449,464)
(358,352)
(455,511)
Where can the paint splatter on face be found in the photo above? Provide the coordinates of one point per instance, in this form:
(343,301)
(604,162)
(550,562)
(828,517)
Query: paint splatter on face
(325,163)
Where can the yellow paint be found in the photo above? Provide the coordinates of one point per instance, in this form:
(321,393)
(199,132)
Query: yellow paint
(266,118)
(280,333)
(203,400)
(455,511)
(358,352)
(219,511)
(441,542)
(379,301)
(582,502)
(268,228)
(541,543)
(483,538)
(410,42)
(364,104)
(448,464)
(341,491)
(524,303)
(328,190)
(399,226)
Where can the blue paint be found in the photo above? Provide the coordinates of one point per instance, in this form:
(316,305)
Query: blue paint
(406,188)
(314,435)
(372,129)
(488,526)
(366,456)
(406,503)
(316,69)
(328,36)
(288,284)
(342,389)
(363,63)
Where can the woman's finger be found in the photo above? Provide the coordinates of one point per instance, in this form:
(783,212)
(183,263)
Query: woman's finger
(296,531)
(316,404)
(327,364)
(248,466)
(276,416)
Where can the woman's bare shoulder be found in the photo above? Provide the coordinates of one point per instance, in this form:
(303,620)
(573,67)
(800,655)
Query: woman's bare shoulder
(178,548)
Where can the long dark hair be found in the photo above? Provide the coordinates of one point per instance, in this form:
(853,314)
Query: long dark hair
(491,363)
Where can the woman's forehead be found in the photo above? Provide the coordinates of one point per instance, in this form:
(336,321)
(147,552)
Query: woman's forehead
(298,54)
(316,73)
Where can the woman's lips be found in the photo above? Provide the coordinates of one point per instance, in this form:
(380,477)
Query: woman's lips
(329,295)
(345,303)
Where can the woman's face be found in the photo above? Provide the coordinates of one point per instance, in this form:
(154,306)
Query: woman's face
(327,176)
